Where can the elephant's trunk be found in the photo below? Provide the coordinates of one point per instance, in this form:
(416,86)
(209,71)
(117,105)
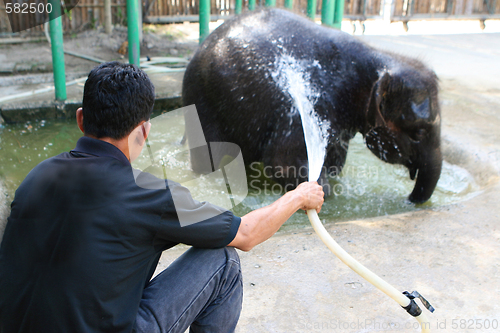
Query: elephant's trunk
(428,175)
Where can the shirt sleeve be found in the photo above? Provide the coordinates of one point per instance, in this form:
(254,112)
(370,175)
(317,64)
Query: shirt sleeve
(191,222)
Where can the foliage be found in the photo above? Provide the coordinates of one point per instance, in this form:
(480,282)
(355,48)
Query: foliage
(121,17)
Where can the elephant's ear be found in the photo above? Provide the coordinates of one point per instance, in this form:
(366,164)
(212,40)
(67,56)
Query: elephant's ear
(374,114)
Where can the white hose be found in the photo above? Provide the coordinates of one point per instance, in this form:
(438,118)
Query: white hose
(153,69)
(362,270)
(162,60)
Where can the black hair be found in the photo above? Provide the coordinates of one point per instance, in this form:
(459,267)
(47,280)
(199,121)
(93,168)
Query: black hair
(116,98)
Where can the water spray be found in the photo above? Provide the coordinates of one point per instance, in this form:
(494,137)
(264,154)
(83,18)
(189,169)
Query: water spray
(291,75)
(316,148)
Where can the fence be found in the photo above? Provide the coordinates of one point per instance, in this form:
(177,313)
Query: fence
(90,13)
(87,14)
(452,9)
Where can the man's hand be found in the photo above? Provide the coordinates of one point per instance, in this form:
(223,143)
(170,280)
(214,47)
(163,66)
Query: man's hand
(312,195)
(259,225)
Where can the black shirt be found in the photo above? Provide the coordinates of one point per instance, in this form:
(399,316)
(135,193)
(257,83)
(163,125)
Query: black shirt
(83,240)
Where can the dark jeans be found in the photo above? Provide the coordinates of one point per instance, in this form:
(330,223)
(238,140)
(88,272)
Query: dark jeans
(202,290)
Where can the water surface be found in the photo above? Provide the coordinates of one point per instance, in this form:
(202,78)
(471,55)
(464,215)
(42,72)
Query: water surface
(23,146)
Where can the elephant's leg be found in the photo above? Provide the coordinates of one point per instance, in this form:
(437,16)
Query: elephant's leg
(285,162)
(202,160)
(290,173)
(323,181)
(334,162)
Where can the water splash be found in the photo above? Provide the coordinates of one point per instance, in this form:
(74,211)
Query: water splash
(293,76)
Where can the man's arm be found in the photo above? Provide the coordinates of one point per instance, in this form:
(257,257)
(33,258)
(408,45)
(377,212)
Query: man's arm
(258,225)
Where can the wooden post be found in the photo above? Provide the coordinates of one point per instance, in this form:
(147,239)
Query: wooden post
(107,16)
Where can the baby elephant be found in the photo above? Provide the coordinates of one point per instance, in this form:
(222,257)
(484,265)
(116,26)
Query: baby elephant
(253,74)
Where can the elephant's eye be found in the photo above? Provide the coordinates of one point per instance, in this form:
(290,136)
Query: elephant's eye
(418,135)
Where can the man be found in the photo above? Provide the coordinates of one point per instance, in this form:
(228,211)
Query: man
(83,240)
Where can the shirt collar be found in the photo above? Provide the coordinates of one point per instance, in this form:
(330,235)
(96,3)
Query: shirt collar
(99,148)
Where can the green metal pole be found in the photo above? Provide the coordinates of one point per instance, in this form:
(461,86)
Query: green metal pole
(134,50)
(327,12)
(204,19)
(270,3)
(238,5)
(339,14)
(56,44)
(289,4)
(311,9)
(251,4)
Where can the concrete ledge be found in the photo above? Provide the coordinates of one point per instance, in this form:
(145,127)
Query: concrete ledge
(15,113)
(22,112)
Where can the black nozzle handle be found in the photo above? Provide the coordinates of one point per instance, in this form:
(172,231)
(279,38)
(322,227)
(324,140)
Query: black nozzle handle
(412,308)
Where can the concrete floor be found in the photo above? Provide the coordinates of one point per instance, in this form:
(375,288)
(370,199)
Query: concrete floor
(450,254)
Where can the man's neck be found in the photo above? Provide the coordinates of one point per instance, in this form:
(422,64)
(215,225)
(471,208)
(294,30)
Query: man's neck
(121,144)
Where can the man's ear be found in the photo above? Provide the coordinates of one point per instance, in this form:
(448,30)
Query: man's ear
(79,119)
(140,133)
(146,127)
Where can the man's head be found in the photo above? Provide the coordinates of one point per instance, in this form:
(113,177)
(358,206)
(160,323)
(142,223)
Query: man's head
(117,97)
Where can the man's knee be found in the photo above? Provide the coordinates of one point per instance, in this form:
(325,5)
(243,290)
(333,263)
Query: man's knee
(231,286)
(215,259)
(232,255)
(233,267)
(223,254)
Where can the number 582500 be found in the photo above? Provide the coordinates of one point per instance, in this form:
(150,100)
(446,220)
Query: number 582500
(25,8)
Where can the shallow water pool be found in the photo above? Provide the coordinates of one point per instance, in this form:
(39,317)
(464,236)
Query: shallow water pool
(367,187)
(23,146)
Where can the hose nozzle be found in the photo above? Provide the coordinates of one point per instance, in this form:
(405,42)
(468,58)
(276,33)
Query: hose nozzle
(412,308)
